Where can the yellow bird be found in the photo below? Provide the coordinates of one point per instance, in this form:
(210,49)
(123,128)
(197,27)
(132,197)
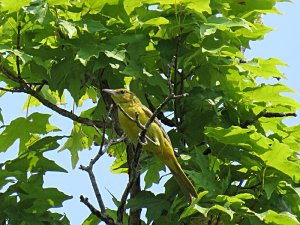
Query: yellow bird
(158,142)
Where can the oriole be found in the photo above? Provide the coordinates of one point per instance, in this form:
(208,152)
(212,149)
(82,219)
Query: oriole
(158,142)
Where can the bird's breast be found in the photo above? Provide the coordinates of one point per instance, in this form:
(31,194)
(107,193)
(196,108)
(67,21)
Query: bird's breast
(129,125)
(132,131)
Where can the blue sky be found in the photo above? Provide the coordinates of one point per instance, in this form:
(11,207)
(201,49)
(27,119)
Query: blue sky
(281,43)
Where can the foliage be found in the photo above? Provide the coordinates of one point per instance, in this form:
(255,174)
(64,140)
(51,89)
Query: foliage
(228,131)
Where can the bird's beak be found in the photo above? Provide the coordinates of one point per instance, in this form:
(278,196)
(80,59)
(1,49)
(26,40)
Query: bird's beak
(109,91)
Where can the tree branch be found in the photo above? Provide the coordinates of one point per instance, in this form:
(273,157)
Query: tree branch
(175,89)
(89,168)
(136,119)
(24,87)
(160,115)
(107,219)
(134,214)
(264,113)
(18,48)
(185,76)
(95,187)
(10,90)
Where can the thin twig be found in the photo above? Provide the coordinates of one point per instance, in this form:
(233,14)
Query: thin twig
(264,113)
(279,114)
(101,151)
(10,90)
(18,48)
(160,115)
(169,76)
(41,85)
(124,197)
(185,76)
(89,168)
(9,74)
(175,90)
(136,119)
(106,218)
(95,187)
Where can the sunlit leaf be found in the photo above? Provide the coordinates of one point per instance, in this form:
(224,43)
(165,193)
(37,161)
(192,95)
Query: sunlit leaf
(278,218)
(91,220)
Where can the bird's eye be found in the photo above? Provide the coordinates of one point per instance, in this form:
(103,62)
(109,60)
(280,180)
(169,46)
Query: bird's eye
(122,92)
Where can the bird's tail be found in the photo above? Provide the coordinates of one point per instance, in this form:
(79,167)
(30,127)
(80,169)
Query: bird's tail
(183,182)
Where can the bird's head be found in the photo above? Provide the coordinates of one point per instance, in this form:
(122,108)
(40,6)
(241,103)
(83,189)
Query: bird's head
(121,96)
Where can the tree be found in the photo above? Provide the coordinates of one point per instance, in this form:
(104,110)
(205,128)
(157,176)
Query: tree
(227,128)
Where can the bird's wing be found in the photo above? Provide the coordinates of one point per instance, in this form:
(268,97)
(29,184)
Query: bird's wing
(149,114)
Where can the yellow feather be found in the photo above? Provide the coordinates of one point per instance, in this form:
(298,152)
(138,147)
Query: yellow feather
(158,142)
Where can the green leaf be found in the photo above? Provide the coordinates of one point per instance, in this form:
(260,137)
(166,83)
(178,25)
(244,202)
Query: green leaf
(199,6)
(224,23)
(245,138)
(1,117)
(91,220)
(152,174)
(120,163)
(154,204)
(91,25)
(90,94)
(23,56)
(40,11)
(96,6)
(114,199)
(270,185)
(245,196)
(220,208)
(70,27)
(10,177)
(263,68)
(52,96)
(204,211)
(33,162)
(81,137)
(130,5)
(58,2)
(157,21)
(44,198)
(284,218)
(88,48)
(205,177)
(282,163)
(36,123)
(46,144)
(271,94)
(263,147)
(257,31)
(7,5)
(193,208)
(116,54)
